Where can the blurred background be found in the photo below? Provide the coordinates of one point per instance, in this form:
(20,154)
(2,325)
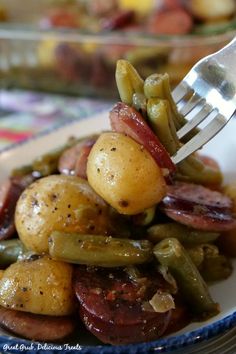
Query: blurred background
(70,47)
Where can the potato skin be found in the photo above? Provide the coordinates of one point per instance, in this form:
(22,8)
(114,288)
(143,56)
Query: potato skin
(124,174)
(212,9)
(61,203)
(42,286)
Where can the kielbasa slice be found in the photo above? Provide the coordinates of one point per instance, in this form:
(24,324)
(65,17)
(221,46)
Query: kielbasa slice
(174,21)
(73,161)
(111,305)
(10,190)
(198,207)
(125,119)
(36,327)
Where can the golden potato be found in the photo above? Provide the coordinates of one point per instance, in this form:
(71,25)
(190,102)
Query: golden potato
(61,203)
(41,286)
(212,9)
(124,174)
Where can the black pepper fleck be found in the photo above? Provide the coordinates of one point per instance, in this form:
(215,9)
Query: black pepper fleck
(123,203)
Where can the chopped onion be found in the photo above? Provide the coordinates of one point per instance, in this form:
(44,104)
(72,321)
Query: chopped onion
(162,301)
(168,278)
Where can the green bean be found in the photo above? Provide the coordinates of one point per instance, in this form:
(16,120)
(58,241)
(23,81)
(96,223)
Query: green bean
(10,250)
(197,255)
(212,265)
(194,170)
(215,268)
(184,234)
(191,169)
(128,81)
(98,250)
(22,171)
(172,254)
(139,102)
(153,86)
(159,112)
(158,86)
(140,55)
(47,163)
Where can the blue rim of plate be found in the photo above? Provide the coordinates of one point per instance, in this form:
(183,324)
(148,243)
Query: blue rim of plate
(15,345)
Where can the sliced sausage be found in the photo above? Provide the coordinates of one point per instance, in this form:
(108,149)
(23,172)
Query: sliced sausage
(120,20)
(10,191)
(125,119)
(111,305)
(172,4)
(36,327)
(198,207)
(72,63)
(170,22)
(74,160)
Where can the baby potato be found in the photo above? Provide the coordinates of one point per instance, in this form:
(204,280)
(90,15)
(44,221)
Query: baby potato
(212,9)
(42,286)
(58,203)
(124,174)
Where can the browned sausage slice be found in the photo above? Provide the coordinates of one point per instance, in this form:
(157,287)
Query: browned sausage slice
(125,119)
(171,22)
(119,20)
(10,191)
(73,161)
(36,327)
(111,305)
(198,207)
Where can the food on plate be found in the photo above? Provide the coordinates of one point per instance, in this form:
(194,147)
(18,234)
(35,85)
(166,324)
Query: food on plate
(118,177)
(42,286)
(39,327)
(62,203)
(108,234)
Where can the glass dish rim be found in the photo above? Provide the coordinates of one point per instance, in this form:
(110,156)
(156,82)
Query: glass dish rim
(27,32)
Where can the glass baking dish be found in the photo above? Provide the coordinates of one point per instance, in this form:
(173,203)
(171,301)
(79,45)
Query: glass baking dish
(79,63)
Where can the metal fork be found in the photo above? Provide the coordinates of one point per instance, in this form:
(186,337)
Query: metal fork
(207,94)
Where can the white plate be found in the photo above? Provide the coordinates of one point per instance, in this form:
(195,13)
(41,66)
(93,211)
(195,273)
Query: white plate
(223,148)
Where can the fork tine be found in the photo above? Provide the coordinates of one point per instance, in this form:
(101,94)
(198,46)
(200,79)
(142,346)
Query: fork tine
(180,91)
(196,120)
(192,102)
(201,138)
